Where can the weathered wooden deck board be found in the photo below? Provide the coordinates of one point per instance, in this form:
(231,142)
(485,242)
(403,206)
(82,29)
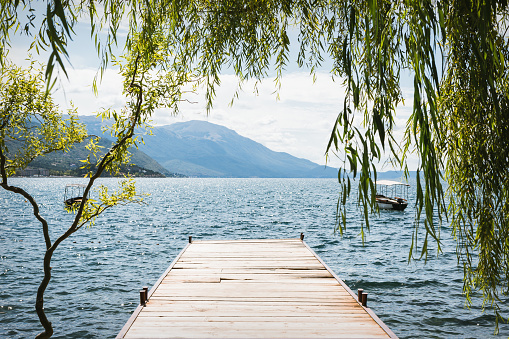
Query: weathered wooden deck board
(252,289)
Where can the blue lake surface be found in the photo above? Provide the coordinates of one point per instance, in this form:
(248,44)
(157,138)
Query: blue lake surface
(98,271)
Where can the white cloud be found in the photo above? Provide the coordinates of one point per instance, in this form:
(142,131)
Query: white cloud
(299,123)
(78,89)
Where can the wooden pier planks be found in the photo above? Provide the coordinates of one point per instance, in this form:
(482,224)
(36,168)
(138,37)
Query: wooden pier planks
(251,289)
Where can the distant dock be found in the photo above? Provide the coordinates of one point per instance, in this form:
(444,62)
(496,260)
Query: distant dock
(251,289)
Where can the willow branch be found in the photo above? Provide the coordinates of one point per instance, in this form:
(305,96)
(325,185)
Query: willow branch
(107,159)
(18,190)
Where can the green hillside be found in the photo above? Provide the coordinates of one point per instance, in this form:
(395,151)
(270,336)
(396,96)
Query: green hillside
(60,164)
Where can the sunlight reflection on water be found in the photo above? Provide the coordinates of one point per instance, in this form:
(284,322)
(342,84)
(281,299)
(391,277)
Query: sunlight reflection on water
(97,272)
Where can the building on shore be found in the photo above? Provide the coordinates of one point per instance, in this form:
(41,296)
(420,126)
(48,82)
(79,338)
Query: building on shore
(33,172)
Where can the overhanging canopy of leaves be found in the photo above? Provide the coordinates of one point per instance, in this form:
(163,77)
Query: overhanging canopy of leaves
(456,51)
(30,123)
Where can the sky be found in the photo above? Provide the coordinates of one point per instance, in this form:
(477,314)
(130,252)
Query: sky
(299,123)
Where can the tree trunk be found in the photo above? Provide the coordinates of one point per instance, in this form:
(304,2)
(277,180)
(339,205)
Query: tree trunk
(39,303)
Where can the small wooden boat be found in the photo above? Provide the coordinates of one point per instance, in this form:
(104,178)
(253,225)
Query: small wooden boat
(392,195)
(74,194)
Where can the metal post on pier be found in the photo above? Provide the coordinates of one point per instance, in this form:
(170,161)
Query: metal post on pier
(145,288)
(143,298)
(365,299)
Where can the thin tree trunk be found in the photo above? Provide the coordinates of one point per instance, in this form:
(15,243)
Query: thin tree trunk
(50,248)
(39,302)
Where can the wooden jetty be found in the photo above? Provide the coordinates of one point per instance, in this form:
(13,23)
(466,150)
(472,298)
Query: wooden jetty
(251,289)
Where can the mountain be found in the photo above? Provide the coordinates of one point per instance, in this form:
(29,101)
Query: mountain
(203,149)
(138,157)
(198,149)
(59,163)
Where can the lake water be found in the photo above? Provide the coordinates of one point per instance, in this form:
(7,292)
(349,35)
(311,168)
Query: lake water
(98,271)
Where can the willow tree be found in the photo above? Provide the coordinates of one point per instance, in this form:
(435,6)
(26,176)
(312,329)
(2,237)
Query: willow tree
(456,51)
(32,126)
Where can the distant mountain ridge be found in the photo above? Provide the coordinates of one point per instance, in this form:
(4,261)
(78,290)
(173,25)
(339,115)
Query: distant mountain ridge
(60,163)
(203,149)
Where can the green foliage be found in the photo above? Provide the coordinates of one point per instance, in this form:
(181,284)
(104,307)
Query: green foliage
(126,194)
(53,34)
(30,120)
(456,51)
(474,123)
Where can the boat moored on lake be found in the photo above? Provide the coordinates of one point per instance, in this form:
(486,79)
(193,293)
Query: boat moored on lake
(391,195)
(73,194)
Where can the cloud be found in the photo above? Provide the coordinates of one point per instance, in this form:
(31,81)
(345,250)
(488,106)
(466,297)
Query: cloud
(299,123)
(78,89)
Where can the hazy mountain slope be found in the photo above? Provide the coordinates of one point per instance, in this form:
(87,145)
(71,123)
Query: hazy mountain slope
(138,157)
(59,163)
(203,149)
(200,148)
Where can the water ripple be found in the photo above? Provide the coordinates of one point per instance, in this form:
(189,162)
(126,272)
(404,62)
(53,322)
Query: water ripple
(98,271)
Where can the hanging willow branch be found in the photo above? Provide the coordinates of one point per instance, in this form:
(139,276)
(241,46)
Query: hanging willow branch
(457,54)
